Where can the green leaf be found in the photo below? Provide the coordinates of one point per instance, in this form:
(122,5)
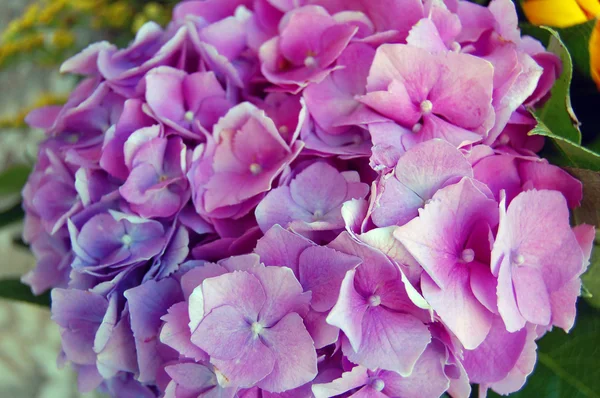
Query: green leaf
(557,114)
(13,289)
(13,179)
(591,279)
(555,118)
(571,154)
(567,364)
(577,38)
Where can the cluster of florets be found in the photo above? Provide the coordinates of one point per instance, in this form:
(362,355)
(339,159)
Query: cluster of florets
(307,198)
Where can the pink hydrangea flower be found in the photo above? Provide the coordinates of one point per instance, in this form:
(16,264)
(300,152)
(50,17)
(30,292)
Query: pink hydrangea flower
(294,198)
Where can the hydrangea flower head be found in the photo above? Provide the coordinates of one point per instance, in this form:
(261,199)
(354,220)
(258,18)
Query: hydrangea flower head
(306,199)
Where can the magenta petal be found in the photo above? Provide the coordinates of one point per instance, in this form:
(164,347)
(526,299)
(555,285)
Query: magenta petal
(322,271)
(419,173)
(319,187)
(294,352)
(279,209)
(281,248)
(503,347)
(427,380)
(283,292)
(458,308)
(391,341)
(348,312)
(425,35)
(164,93)
(322,333)
(532,295)
(517,376)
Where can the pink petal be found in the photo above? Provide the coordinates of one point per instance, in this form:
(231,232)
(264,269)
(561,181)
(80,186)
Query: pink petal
(391,341)
(223,333)
(458,308)
(280,247)
(496,356)
(532,295)
(283,292)
(294,352)
(255,363)
(347,314)
(321,271)
(238,289)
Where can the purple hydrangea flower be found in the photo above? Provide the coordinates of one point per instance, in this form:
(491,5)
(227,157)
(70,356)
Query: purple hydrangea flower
(383,326)
(313,200)
(294,198)
(247,153)
(310,40)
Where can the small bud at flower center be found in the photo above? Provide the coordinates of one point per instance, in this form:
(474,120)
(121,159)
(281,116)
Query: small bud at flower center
(255,168)
(374,301)
(318,214)
(257,328)
(126,240)
(467,255)
(378,385)
(417,127)
(455,47)
(518,259)
(284,130)
(189,116)
(310,62)
(426,106)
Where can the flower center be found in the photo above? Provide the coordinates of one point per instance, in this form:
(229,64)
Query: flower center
(189,116)
(284,130)
(126,240)
(467,255)
(378,385)
(426,106)
(256,169)
(318,214)
(257,328)
(417,127)
(163,178)
(310,61)
(374,301)
(518,259)
(455,47)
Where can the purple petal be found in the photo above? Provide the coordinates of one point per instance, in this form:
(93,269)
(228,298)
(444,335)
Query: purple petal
(294,352)
(321,271)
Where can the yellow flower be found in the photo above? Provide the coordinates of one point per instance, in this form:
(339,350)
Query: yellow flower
(595,54)
(563,13)
(63,38)
(560,13)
